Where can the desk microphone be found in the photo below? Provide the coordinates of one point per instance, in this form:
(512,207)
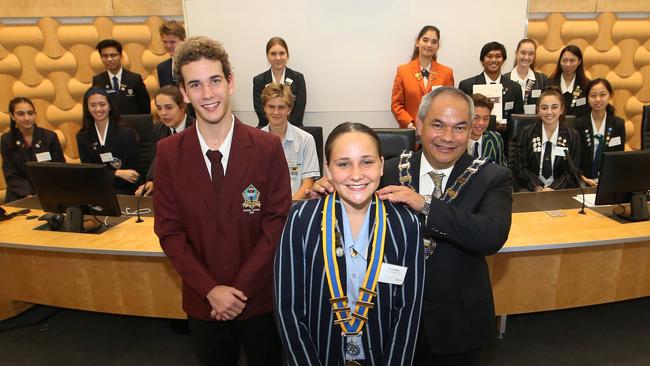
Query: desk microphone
(137,208)
(574,170)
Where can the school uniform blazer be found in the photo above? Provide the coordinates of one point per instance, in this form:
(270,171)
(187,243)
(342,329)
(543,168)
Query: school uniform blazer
(528,159)
(14,159)
(302,296)
(458,307)
(614,127)
(165,73)
(541,83)
(160,131)
(511,93)
(121,142)
(570,99)
(132,98)
(298,89)
(211,239)
(408,90)
(492,147)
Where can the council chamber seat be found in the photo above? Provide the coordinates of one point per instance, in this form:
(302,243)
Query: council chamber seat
(143,126)
(515,127)
(395,140)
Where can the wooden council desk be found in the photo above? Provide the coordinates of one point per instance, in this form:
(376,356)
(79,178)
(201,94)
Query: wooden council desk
(548,262)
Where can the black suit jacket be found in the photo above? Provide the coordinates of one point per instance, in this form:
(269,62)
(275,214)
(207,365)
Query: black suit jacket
(298,89)
(165,73)
(571,100)
(122,142)
(15,157)
(541,83)
(614,127)
(458,308)
(132,98)
(528,158)
(160,131)
(511,93)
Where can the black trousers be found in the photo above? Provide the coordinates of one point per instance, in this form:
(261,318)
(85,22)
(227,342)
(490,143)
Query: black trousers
(218,343)
(424,356)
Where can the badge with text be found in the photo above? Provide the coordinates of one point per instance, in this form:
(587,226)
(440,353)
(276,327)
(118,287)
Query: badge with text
(106,157)
(44,156)
(393,274)
(251,200)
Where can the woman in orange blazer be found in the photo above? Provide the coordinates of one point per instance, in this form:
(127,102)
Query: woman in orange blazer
(415,79)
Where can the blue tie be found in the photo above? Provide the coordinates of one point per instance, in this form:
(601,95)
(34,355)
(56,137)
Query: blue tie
(116,84)
(595,170)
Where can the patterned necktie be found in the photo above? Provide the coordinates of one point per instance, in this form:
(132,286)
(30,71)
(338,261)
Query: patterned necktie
(547,168)
(116,84)
(437,183)
(476,148)
(216,168)
(595,169)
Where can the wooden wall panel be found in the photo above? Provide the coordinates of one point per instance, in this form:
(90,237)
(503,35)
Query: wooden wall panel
(88,8)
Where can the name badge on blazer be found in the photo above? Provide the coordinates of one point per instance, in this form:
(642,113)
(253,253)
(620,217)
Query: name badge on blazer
(392,274)
(529,109)
(559,151)
(509,105)
(106,157)
(581,101)
(615,141)
(45,155)
(535,93)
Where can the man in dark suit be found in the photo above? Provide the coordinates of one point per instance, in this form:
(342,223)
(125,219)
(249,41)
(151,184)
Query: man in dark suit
(492,57)
(222,232)
(172,34)
(470,219)
(125,87)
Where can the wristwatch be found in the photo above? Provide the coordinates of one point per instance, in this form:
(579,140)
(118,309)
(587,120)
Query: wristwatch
(427,205)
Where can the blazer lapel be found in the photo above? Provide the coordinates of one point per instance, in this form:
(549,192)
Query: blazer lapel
(238,161)
(415,68)
(192,162)
(415,169)
(459,168)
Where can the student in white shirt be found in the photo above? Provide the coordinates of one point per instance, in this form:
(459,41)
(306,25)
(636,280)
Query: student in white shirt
(569,76)
(299,146)
(531,82)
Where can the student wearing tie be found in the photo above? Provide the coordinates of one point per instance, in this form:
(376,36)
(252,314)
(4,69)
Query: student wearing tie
(541,157)
(277,53)
(482,143)
(105,139)
(569,76)
(126,88)
(600,130)
(172,33)
(531,82)
(222,197)
(172,113)
(416,78)
(492,57)
(331,260)
(25,142)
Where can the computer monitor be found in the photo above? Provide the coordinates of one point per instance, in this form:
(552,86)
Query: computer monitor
(74,189)
(625,177)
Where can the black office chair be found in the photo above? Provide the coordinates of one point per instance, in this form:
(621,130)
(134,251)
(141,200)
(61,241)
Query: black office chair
(143,126)
(570,121)
(515,126)
(317,133)
(395,140)
(645,128)
(492,125)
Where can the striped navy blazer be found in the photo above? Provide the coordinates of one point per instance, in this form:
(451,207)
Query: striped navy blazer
(492,147)
(301,293)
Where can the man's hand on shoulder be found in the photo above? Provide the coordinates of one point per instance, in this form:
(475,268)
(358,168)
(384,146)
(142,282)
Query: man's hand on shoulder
(402,194)
(320,188)
(227,302)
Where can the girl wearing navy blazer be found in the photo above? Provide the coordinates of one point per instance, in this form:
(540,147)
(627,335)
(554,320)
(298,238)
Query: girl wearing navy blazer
(277,52)
(569,76)
(600,130)
(532,82)
(25,142)
(542,152)
(104,138)
(326,270)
